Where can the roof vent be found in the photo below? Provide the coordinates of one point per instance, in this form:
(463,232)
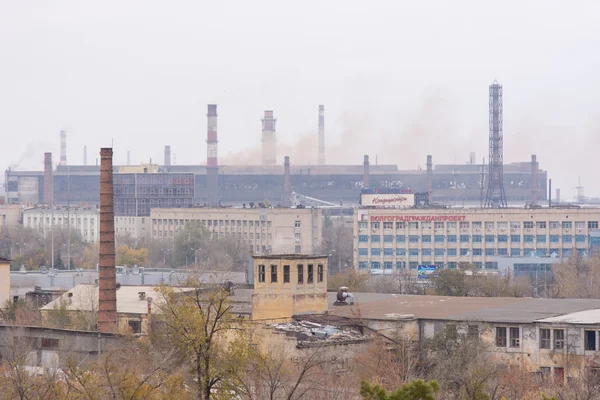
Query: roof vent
(142,295)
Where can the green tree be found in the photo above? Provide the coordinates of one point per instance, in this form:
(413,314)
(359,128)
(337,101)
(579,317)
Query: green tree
(130,257)
(191,238)
(415,390)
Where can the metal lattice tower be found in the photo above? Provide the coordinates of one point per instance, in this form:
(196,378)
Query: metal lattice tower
(496,196)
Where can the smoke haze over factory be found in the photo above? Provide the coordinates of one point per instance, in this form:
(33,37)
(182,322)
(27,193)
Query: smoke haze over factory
(141,74)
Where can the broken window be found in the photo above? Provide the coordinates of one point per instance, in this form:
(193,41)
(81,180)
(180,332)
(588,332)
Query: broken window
(451,332)
(515,339)
(286,274)
(473,332)
(559,339)
(300,274)
(309,278)
(590,340)
(501,337)
(545,339)
(273,273)
(261,273)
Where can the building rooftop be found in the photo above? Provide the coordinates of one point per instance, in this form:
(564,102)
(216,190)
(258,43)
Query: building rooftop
(490,309)
(4,260)
(288,257)
(84,297)
(580,317)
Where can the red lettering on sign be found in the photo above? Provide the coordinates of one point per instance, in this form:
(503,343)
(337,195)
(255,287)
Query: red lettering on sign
(417,218)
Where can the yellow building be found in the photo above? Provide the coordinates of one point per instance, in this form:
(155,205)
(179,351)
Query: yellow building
(139,169)
(4,281)
(287,285)
(263,230)
(10,215)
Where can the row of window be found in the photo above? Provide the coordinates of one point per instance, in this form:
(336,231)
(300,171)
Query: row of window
(389,265)
(286,273)
(215,222)
(166,191)
(466,252)
(481,225)
(549,338)
(471,238)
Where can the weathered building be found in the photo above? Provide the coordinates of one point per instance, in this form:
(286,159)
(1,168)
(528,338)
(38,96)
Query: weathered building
(85,220)
(262,230)
(287,284)
(4,282)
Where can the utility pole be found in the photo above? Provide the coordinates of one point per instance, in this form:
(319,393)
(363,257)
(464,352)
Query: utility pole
(68,219)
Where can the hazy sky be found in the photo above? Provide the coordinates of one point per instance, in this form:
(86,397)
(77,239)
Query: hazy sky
(399,80)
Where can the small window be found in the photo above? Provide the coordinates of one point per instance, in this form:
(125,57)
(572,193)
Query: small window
(559,339)
(515,338)
(135,326)
(261,273)
(320,273)
(297,224)
(300,274)
(273,273)
(545,338)
(286,274)
(309,278)
(590,340)
(545,372)
(500,337)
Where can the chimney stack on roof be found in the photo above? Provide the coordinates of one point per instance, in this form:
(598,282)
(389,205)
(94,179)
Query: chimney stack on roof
(321,158)
(366,172)
(429,177)
(269,139)
(48,180)
(212,158)
(63,147)
(287,188)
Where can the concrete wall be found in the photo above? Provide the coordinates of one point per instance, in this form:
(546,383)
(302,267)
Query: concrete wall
(10,215)
(137,227)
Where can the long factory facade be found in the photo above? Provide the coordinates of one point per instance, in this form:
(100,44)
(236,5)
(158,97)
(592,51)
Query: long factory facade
(391,239)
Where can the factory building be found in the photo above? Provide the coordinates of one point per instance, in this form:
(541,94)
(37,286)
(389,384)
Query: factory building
(84,220)
(388,239)
(263,230)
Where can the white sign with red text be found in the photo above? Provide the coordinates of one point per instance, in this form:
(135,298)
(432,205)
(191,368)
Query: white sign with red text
(388,200)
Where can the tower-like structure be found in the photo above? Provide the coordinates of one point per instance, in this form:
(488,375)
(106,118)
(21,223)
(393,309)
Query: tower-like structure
(167,156)
(212,163)
(495,195)
(321,157)
(287,187)
(107,282)
(63,147)
(269,155)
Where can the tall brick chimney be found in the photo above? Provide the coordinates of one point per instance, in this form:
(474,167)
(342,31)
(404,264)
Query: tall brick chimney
(287,187)
(321,154)
(167,156)
(366,172)
(107,299)
(429,177)
(48,180)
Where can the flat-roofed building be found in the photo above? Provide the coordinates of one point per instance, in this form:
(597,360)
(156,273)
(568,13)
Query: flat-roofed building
(388,239)
(85,220)
(262,230)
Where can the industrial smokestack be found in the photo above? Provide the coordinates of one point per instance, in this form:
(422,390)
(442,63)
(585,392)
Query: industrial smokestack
(557,196)
(167,156)
(429,178)
(472,159)
(321,158)
(549,193)
(84,155)
(48,180)
(366,172)
(269,140)
(534,168)
(287,188)
(212,160)
(107,303)
(63,147)
(128,158)
(174,159)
